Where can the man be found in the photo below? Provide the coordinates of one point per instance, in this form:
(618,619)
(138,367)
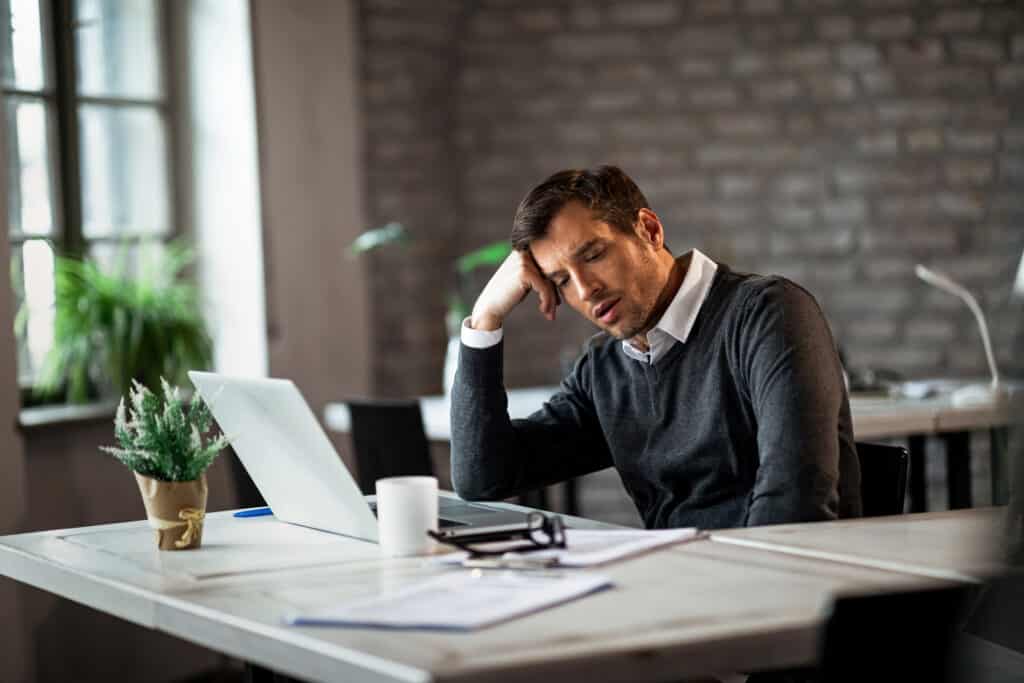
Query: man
(722,404)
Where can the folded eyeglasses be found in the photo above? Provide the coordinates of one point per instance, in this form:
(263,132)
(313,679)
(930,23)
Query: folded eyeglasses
(540,532)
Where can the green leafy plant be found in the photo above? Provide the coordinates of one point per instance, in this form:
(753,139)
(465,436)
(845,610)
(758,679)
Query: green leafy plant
(162,438)
(488,255)
(113,328)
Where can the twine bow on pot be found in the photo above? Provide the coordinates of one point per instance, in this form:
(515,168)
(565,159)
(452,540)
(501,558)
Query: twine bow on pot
(193,517)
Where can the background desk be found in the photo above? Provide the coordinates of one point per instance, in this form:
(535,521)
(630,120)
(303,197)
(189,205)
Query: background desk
(689,610)
(873,418)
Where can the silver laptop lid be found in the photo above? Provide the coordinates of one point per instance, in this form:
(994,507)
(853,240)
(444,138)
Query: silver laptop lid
(286,452)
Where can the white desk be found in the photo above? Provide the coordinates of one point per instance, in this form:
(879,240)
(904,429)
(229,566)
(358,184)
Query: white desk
(689,610)
(958,545)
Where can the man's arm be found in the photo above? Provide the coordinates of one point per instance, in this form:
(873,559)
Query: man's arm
(493,456)
(797,391)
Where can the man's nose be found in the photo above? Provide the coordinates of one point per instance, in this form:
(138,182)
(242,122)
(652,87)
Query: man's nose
(587,287)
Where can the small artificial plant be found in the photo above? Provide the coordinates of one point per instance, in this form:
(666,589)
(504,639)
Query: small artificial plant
(488,255)
(163,438)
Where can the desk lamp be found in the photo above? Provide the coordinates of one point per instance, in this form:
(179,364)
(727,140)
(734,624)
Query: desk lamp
(972,393)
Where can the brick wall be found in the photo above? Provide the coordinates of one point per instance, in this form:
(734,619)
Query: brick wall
(838,142)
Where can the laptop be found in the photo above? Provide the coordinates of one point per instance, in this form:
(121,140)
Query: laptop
(295,467)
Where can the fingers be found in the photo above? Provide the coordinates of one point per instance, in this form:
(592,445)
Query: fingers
(546,292)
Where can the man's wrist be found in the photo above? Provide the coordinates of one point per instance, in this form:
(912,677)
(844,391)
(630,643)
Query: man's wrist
(479,339)
(485,322)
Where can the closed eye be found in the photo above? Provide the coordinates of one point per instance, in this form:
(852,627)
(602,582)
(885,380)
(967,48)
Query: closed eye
(594,255)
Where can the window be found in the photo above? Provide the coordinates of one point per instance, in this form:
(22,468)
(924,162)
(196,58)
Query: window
(89,141)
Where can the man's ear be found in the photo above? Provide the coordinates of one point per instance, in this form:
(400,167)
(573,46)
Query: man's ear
(649,228)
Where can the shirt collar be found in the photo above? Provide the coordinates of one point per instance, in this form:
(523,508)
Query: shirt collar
(678,319)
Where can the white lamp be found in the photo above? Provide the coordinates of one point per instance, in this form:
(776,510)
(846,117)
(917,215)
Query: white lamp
(972,393)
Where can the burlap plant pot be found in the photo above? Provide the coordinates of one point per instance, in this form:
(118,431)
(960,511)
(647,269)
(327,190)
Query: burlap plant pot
(175,510)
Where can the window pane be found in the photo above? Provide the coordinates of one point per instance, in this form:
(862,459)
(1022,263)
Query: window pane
(34,294)
(30,198)
(124,171)
(21,42)
(129,260)
(118,44)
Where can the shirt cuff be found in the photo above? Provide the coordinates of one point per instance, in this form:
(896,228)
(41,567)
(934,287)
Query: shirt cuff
(479,339)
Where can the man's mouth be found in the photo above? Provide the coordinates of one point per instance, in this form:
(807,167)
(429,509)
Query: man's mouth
(607,311)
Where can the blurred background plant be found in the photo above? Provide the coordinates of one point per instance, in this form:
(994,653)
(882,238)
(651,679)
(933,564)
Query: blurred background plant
(111,327)
(489,255)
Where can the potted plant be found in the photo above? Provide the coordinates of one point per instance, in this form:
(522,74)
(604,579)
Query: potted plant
(111,329)
(165,443)
(465,265)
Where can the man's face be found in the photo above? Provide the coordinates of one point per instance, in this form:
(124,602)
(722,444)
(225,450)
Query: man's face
(612,278)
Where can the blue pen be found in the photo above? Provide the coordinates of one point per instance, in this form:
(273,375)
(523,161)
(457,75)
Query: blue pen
(254,512)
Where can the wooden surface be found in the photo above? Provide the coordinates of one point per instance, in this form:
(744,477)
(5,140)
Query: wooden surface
(872,417)
(960,545)
(690,610)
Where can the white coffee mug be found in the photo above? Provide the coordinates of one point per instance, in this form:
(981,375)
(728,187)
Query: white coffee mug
(406,509)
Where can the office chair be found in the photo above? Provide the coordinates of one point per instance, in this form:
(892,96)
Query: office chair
(904,636)
(883,478)
(388,439)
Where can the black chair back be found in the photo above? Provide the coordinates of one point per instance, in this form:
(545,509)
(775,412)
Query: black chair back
(389,440)
(883,478)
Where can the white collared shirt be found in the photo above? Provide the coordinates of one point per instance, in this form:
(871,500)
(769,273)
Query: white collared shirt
(675,323)
(677,320)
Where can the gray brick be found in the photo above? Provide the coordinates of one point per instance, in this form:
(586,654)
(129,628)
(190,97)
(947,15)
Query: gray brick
(927,331)
(798,185)
(956,21)
(980,112)
(585,17)
(856,179)
(852,118)
(801,125)
(880,299)
(733,186)
(970,140)
(969,172)
(872,330)
(1011,167)
(879,144)
(906,360)
(694,67)
(776,90)
(644,14)
(747,63)
(857,55)
(816,243)
(924,140)
(878,82)
(836,87)
(905,207)
(913,111)
(712,8)
(844,210)
(804,5)
(1010,76)
(888,4)
(761,7)
(837,27)
(713,96)
(1013,138)
(911,239)
(924,51)
(962,80)
(690,39)
(881,268)
(790,215)
(960,206)
(813,57)
(977,50)
(587,46)
(744,124)
(890,27)
(775,33)
(538,20)
(1017,47)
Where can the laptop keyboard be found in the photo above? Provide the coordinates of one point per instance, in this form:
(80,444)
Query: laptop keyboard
(449,509)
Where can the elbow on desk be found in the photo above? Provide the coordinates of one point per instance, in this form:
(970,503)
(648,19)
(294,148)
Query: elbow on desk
(468,487)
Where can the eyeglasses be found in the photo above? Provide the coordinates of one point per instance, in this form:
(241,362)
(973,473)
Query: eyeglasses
(539,533)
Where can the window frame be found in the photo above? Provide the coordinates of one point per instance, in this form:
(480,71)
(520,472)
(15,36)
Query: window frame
(62,102)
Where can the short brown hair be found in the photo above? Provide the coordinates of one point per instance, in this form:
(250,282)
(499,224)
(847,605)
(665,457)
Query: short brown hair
(607,191)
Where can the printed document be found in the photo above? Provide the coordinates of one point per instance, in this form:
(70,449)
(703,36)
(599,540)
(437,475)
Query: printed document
(459,601)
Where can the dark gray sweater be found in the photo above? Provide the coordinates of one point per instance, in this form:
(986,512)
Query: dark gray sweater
(745,423)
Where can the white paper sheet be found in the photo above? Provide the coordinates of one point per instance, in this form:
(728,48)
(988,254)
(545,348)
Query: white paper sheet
(592,547)
(460,601)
